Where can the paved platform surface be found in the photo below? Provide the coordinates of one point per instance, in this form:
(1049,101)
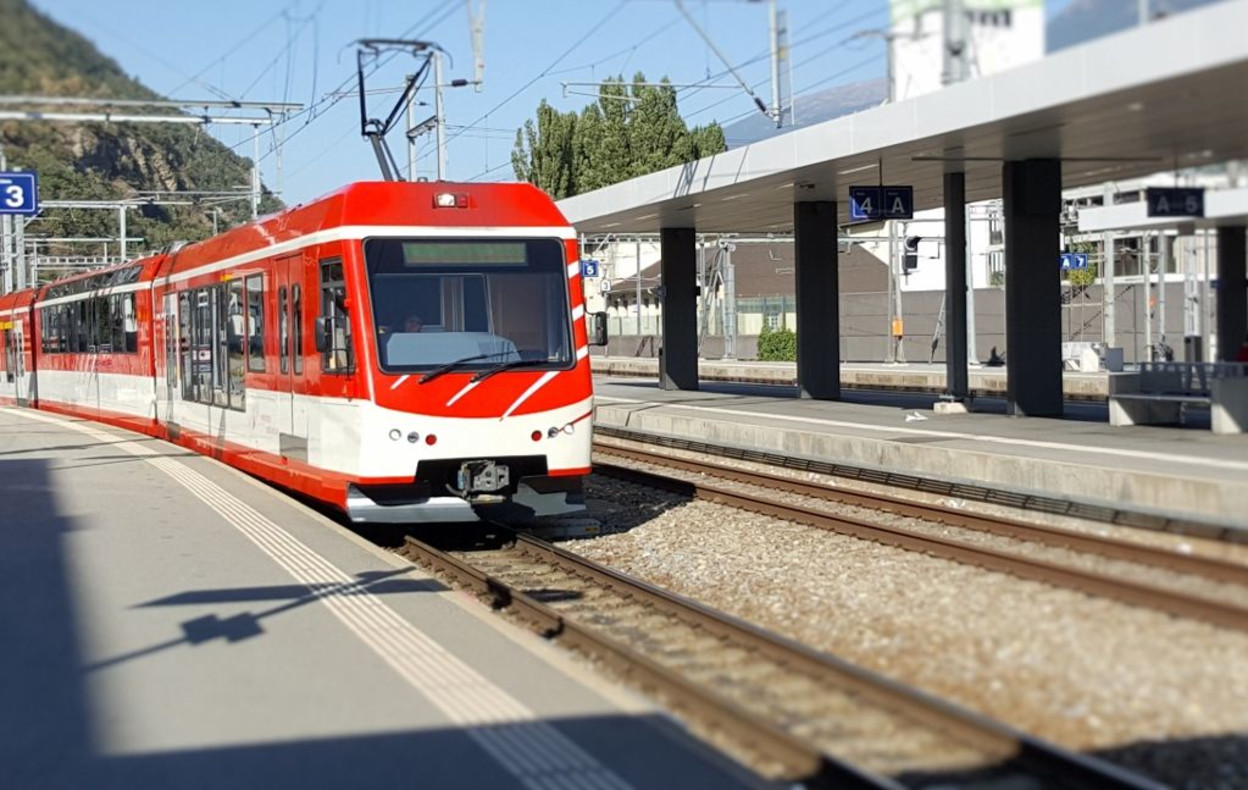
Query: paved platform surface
(1183,471)
(916,377)
(170,623)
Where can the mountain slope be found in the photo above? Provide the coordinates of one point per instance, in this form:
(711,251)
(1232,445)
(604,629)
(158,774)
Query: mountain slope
(106,160)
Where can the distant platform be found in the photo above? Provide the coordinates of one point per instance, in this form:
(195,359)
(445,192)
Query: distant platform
(917,377)
(170,623)
(1176,473)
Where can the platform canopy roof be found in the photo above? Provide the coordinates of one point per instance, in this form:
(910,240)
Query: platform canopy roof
(1171,93)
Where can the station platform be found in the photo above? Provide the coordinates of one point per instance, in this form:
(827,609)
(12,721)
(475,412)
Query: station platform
(914,377)
(171,623)
(1177,476)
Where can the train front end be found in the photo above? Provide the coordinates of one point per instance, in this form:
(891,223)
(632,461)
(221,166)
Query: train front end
(477,352)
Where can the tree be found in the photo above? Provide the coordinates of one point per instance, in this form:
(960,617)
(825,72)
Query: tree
(587,161)
(657,135)
(543,156)
(614,156)
(631,130)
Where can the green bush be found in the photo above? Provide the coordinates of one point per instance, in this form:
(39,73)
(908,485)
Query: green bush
(777,346)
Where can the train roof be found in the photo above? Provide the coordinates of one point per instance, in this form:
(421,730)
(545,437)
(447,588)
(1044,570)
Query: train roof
(383,203)
(364,203)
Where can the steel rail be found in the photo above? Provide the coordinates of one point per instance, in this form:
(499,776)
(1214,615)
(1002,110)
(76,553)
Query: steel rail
(1220,613)
(1113,548)
(811,765)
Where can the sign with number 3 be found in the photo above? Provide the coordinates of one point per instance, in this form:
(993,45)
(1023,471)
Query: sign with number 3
(19,193)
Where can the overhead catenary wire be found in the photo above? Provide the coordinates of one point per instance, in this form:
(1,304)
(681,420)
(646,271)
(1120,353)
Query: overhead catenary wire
(331,98)
(814,36)
(578,41)
(244,41)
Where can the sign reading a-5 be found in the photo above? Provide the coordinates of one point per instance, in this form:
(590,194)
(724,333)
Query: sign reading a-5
(1175,201)
(19,193)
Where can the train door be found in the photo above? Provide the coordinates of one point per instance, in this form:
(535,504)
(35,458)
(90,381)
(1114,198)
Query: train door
(166,349)
(293,405)
(22,378)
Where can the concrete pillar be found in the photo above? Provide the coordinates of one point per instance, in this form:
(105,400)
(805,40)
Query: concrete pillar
(678,362)
(1033,301)
(1232,296)
(956,379)
(818,300)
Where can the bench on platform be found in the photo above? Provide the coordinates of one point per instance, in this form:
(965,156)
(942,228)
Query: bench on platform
(1159,392)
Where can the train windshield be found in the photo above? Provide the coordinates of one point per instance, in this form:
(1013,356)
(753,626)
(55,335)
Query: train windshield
(477,302)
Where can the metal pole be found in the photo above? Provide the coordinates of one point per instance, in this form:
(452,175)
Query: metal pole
(411,140)
(1206,314)
(1146,269)
(889,354)
(441,119)
(121,232)
(255,173)
(775,63)
(730,305)
(5,226)
(972,352)
(5,258)
(1167,247)
(954,60)
(19,250)
(638,261)
(1143,12)
(891,77)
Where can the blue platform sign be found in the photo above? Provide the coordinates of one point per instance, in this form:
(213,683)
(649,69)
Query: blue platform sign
(882,202)
(898,202)
(1074,260)
(589,268)
(1175,201)
(19,193)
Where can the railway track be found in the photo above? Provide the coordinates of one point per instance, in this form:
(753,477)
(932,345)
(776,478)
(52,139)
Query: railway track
(722,484)
(792,712)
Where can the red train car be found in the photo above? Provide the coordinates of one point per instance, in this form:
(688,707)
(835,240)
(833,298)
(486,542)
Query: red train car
(402,351)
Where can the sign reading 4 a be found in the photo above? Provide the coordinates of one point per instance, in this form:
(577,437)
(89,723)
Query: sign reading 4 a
(882,202)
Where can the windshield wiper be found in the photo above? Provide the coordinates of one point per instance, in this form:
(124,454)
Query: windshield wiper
(449,366)
(518,363)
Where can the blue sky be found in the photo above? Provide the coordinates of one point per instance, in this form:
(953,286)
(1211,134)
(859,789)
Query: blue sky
(301,50)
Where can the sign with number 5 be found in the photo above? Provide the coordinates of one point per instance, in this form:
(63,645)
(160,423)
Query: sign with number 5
(19,193)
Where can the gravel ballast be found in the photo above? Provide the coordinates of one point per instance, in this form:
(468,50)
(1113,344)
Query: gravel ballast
(1088,673)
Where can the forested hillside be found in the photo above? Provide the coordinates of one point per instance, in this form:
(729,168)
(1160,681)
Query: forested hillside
(106,160)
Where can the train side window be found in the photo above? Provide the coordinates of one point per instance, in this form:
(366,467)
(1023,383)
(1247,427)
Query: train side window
(130,325)
(296,300)
(236,339)
(339,355)
(255,323)
(116,325)
(45,344)
(102,325)
(283,329)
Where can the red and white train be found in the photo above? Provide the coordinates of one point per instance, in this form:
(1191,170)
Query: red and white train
(402,351)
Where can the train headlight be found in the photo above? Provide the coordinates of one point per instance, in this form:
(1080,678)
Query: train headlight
(413,437)
(395,434)
(570,428)
(553,432)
